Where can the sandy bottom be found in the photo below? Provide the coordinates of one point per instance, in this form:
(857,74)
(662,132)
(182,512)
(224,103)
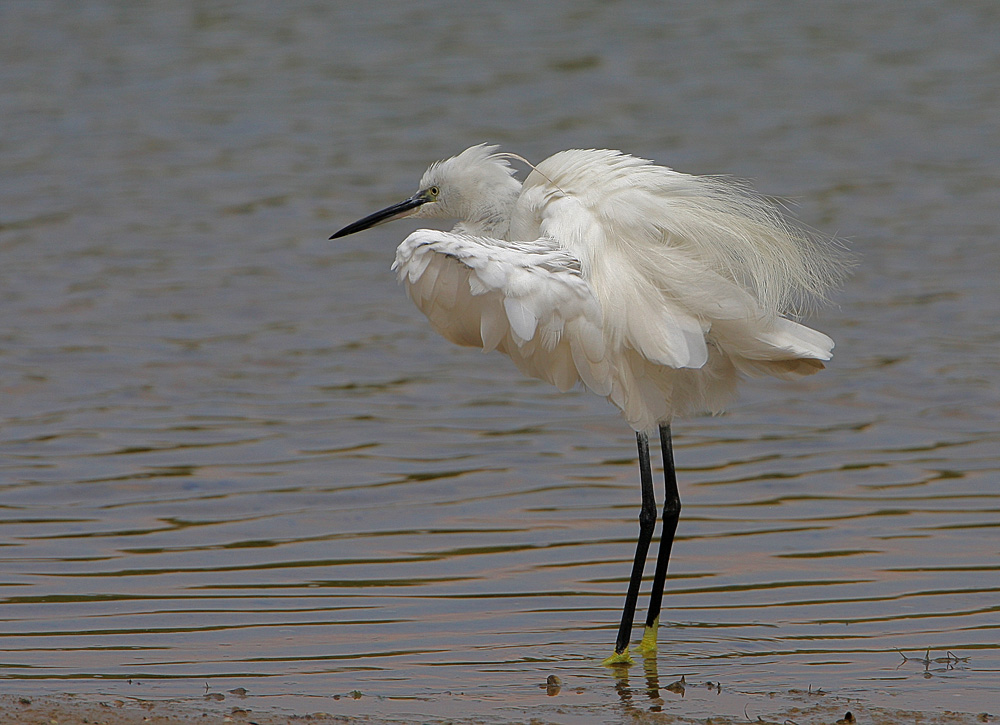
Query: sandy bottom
(70,710)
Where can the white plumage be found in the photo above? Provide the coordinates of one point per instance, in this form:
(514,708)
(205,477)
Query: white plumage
(527,300)
(654,288)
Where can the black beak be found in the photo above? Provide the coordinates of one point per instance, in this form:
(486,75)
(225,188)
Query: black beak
(396,211)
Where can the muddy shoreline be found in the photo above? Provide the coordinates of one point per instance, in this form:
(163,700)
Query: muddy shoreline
(73,710)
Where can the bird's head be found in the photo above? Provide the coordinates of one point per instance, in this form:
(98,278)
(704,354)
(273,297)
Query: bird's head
(476,187)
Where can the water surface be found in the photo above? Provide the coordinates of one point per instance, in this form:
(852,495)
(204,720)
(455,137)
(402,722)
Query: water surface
(232,453)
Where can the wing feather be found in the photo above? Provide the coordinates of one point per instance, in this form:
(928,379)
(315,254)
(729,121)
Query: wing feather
(523,322)
(492,326)
(526,299)
(719,223)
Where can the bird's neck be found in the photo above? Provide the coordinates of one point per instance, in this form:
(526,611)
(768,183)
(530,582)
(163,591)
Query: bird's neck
(496,226)
(490,217)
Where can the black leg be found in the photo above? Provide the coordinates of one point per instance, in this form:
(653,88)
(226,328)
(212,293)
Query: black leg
(647,522)
(671,514)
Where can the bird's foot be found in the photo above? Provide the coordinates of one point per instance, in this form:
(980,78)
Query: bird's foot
(648,644)
(619,659)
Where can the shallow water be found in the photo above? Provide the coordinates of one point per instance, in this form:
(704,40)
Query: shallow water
(232,453)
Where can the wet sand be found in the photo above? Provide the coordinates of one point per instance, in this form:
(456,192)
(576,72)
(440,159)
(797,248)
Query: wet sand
(798,709)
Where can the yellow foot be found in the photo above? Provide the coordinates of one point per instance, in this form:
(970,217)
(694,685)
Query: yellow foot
(648,644)
(619,659)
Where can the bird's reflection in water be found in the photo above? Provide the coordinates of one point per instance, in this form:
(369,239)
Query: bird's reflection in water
(654,700)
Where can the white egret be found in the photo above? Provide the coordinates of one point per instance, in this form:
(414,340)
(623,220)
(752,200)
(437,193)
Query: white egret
(656,289)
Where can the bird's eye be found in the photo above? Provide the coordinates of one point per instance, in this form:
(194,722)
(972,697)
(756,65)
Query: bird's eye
(434,191)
